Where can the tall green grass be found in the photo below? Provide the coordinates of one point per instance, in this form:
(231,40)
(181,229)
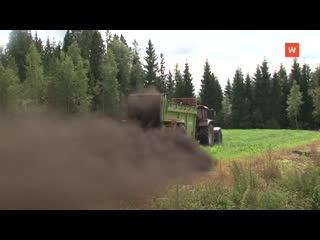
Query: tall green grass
(265,183)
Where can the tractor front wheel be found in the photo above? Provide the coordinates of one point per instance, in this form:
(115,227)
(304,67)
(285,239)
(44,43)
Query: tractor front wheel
(218,135)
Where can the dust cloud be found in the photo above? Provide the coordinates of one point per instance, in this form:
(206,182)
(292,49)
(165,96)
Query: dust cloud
(87,162)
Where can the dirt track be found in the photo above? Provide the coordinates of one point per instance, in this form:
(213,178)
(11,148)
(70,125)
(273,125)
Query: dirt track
(87,163)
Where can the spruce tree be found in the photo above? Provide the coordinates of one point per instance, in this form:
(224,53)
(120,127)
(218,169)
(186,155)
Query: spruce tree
(275,102)
(179,83)
(136,74)
(161,80)
(206,85)
(151,67)
(170,86)
(237,99)
(285,90)
(188,88)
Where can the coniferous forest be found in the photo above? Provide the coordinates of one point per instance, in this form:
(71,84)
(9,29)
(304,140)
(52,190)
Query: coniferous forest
(89,72)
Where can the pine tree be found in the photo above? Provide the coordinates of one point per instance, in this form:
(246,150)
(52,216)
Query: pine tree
(294,103)
(315,78)
(295,74)
(228,90)
(123,40)
(136,74)
(67,41)
(151,67)
(18,47)
(38,44)
(179,83)
(217,94)
(257,117)
(247,104)
(48,59)
(188,88)
(306,108)
(111,96)
(206,86)
(266,87)
(237,99)
(123,59)
(35,86)
(170,86)
(84,40)
(285,90)
(161,80)
(226,113)
(80,99)
(315,96)
(210,92)
(10,89)
(96,61)
(275,102)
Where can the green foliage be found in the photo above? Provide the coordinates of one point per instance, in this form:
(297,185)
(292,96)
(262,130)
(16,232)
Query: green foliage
(170,86)
(123,59)
(110,88)
(10,89)
(225,115)
(151,67)
(237,106)
(275,117)
(284,83)
(294,103)
(68,90)
(179,83)
(315,95)
(18,48)
(187,85)
(161,80)
(35,86)
(136,74)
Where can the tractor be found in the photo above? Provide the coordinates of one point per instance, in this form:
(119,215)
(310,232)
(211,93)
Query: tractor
(154,110)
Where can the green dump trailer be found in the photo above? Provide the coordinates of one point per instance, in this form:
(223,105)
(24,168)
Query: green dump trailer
(155,111)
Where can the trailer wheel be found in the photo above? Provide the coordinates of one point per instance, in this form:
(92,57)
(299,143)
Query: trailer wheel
(207,136)
(218,135)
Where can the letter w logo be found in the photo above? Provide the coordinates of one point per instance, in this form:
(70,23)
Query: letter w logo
(292,49)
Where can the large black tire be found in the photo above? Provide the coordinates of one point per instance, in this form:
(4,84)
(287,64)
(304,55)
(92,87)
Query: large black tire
(207,136)
(218,139)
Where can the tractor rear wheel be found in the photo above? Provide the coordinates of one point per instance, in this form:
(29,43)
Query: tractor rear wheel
(207,136)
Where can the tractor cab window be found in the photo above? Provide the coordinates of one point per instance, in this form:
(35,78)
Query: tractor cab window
(202,113)
(211,114)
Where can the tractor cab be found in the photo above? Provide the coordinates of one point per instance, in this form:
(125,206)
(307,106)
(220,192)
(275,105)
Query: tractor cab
(204,113)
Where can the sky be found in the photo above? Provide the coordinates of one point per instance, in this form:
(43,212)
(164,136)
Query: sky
(226,50)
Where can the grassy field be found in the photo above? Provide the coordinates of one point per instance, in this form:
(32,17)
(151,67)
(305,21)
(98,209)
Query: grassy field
(241,143)
(271,180)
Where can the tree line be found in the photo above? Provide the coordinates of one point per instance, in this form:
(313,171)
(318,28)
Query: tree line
(89,72)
